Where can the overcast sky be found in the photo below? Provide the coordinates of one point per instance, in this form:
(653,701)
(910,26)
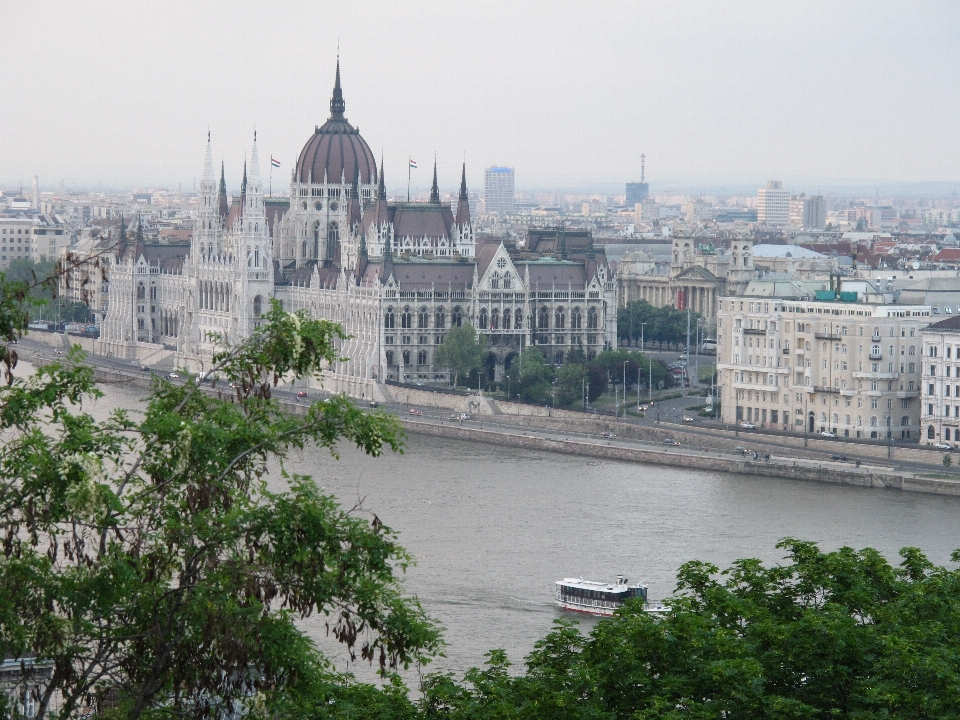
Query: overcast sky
(569,93)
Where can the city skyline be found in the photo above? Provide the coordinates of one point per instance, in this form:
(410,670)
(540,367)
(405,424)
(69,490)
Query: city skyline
(725,94)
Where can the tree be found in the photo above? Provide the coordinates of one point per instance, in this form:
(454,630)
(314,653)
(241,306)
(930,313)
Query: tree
(531,376)
(462,351)
(840,634)
(663,325)
(147,560)
(571,382)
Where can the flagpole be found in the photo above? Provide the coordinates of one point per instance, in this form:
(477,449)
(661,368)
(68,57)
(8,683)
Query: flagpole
(271,176)
(409,166)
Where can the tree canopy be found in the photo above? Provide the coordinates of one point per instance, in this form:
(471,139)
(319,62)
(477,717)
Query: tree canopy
(663,325)
(146,559)
(462,351)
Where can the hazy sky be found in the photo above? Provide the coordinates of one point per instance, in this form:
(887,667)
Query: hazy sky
(569,93)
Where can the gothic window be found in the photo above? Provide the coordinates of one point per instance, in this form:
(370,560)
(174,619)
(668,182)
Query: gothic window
(592,319)
(389,354)
(422,357)
(406,357)
(153,292)
(495,319)
(506,319)
(257,306)
(506,281)
(456,320)
(304,205)
(560,320)
(141,291)
(483,319)
(423,318)
(388,320)
(543,321)
(440,319)
(576,319)
(303,250)
(256,257)
(495,281)
(406,319)
(518,325)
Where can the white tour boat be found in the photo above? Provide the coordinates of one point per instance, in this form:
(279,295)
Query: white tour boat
(597,598)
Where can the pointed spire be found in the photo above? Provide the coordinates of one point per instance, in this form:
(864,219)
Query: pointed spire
(463,205)
(208,166)
(435,190)
(382,191)
(255,161)
(222,198)
(336,102)
(243,184)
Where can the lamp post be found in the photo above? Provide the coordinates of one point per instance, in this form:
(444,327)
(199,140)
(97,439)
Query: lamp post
(641,336)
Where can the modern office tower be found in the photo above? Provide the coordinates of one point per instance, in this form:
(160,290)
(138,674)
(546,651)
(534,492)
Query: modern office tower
(499,189)
(773,204)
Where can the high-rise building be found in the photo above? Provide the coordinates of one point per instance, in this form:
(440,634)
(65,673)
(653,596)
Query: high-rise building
(499,189)
(773,204)
(808,212)
(637,192)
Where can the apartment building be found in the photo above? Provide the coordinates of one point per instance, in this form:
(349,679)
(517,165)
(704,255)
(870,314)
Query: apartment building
(773,204)
(31,237)
(804,357)
(940,411)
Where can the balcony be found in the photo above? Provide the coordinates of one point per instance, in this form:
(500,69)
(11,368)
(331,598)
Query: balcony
(904,394)
(876,356)
(754,331)
(821,389)
(786,351)
(876,375)
(826,336)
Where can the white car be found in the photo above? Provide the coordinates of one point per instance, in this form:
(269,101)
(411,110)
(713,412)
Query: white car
(943,446)
(827,433)
(687,419)
(173,376)
(748,426)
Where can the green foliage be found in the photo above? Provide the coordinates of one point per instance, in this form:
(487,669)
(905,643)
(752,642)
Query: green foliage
(663,325)
(147,558)
(839,634)
(947,461)
(531,377)
(462,351)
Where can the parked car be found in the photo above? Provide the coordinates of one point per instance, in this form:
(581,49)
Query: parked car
(943,446)
(607,435)
(827,434)
(642,408)
(414,411)
(748,425)
(374,404)
(687,418)
(671,441)
(839,458)
(173,376)
(740,449)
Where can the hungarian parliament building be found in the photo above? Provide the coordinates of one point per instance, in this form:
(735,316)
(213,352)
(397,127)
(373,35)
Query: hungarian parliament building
(396,275)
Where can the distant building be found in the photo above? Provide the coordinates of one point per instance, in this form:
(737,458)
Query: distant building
(637,192)
(808,213)
(499,189)
(31,237)
(646,211)
(940,403)
(773,204)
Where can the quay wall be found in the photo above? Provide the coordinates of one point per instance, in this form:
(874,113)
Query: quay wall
(698,462)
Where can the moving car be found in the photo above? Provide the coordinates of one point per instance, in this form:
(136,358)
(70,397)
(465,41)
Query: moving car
(173,376)
(414,411)
(943,446)
(827,433)
(642,408)
(374,404)
(748,425)
(671,441)
(301,393)
(607,435)
(687,418)
(840,458)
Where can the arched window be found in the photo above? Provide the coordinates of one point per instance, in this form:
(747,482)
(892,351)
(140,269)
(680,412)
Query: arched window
(389,355)
(931,433)
(495,319)
(406,319)
(257,306)
(560,321)
(576,319)
(904,421)
(592,319)
(333,239)
(406,357)
(506,319)
(495,281)
(389,320)
(439,319)
(836,418)
(518,319)
(422,357)
(873,421)
(823,417)
(483,319)
(543,319)
(423,318)
(303,249)
(456,320)
(956,434)
(141,292)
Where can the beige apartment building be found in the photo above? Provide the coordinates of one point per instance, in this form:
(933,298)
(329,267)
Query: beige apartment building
(940,402)
(801,357)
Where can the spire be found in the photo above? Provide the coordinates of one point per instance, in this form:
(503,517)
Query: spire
(463,205)
(243,184)
(382,192)
(336,102)
(222,199)
(380,206)
(435,190)
(387,270)
(255,162)
(354,215)
(208,166)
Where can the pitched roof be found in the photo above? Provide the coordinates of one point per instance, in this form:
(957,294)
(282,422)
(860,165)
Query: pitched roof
(418,220)
(951,323)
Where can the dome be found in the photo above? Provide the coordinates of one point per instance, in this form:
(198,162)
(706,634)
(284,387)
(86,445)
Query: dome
(336,150)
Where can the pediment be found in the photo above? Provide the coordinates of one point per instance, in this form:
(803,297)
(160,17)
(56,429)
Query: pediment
(697,273)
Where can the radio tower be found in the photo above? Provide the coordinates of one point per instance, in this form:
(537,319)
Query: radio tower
(643,159)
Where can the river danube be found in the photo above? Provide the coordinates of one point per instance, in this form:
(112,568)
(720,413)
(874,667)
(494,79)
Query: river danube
(492,528)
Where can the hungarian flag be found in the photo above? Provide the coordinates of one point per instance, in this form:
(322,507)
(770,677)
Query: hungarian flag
(413,163)
(274,162)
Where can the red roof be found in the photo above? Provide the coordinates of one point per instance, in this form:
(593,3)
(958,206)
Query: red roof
(947,255)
